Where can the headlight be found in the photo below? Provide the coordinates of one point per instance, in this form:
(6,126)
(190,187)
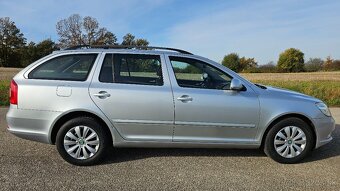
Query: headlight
(323,108)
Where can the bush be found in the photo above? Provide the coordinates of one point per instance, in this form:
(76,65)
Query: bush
(331,65)
(4,88)
(314,65)
(268,68)
(336,65)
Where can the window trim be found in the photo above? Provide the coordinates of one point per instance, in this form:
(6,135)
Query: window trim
(115,57)
(190,58)
(64,79)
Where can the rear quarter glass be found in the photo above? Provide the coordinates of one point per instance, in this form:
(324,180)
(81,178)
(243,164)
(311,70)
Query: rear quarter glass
(73,67)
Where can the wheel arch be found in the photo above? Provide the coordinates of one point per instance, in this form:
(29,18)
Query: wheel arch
(73,114)
(285,116)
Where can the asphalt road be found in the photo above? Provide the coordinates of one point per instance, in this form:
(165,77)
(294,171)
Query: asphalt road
(27,165)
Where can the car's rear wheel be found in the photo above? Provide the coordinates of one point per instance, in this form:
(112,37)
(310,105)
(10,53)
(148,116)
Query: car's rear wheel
(289,141)
(81,141)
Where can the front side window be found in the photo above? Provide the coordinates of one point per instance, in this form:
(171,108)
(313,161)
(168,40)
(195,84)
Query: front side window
(192,73)
(68,67)
(132,69)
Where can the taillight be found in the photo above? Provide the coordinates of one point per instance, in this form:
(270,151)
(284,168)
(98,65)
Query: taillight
(13,93)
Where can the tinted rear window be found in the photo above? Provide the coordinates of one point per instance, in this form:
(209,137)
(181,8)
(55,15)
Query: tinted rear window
(132,69)
(74,67)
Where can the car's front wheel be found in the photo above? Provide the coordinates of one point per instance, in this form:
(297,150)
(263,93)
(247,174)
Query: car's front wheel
(81,141)
(289,141)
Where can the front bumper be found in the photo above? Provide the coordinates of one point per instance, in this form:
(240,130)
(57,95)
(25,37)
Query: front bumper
(31,124)
(323,129)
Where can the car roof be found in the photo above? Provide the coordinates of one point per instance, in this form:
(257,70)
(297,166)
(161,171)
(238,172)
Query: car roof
(118,51)
(124,49)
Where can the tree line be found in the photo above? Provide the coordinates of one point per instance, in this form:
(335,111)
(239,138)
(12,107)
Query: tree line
(290,60)
(15,51)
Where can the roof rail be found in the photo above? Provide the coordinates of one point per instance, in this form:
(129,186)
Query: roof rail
(126,47)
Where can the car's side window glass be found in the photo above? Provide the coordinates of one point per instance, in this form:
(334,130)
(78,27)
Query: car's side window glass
(106,72)
(192,73)
(132,69)
(68,67)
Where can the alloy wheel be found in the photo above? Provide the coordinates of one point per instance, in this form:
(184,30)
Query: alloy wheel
(81,142)
(290,141)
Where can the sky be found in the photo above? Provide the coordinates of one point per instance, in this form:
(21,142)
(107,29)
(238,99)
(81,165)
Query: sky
(210,28)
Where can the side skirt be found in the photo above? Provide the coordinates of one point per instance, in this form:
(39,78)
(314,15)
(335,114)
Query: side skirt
(156,144)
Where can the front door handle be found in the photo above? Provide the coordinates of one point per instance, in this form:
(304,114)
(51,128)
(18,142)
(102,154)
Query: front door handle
(102,94)
(185,98)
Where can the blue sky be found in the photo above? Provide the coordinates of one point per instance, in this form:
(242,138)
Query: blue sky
(210,28)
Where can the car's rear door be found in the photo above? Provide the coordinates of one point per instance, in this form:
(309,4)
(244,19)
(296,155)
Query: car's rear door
(134,92)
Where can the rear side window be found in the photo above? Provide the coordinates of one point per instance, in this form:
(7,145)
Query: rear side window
(132,69)
(74,67)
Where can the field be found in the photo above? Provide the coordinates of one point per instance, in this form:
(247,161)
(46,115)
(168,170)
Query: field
(323,85)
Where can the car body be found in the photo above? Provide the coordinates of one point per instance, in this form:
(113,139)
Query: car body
(167,104)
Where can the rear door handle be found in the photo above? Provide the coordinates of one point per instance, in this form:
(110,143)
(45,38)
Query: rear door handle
(102,94)
(185,98)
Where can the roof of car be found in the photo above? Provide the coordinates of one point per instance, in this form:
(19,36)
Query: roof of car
(124,49)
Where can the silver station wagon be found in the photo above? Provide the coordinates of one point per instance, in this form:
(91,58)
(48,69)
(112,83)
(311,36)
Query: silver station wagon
(87,98)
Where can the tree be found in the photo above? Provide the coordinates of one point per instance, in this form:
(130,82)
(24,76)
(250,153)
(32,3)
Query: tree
(45,47)
(11,41)
(291,60)
(314,65)
(142,42)
(336,65)
(331,64)
(328,63)
(105,38)
(247,64)
(33,52)
(129,40)
(232,61)
(76,30)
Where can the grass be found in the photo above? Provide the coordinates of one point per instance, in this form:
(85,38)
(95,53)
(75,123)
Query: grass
(327,91)
(322,85)
(4,88)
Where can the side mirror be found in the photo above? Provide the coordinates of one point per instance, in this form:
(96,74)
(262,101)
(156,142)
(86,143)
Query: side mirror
(236,85)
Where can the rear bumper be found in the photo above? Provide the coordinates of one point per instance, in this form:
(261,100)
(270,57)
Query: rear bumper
(323,128)
(31,124)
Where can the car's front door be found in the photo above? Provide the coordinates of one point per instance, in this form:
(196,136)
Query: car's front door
(134,92)
(206,110)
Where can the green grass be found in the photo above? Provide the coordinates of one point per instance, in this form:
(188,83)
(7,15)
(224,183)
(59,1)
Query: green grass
(327,91)
(4,87)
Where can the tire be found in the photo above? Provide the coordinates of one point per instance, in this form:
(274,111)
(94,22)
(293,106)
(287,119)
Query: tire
(295,147)
(89,148)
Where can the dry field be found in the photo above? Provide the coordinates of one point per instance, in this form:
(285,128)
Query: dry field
(322,85)
(8,73)
(306,76)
